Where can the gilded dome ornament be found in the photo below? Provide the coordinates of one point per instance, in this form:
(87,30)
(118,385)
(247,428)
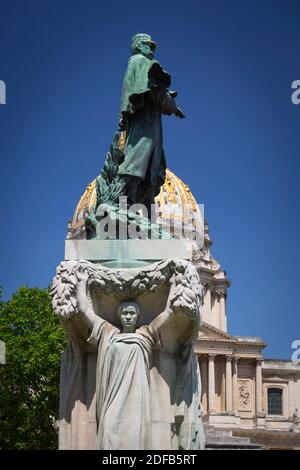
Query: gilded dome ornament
(174,205)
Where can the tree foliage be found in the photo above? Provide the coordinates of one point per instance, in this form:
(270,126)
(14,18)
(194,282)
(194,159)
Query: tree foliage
(29,381)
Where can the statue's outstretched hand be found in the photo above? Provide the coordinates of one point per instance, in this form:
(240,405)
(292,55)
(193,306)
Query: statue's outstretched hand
(171,294)
(166,315)
(179,113)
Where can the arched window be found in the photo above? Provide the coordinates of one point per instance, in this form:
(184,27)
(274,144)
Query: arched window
(274,401)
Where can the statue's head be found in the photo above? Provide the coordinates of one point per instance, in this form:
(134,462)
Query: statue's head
(142,43)
(128,314)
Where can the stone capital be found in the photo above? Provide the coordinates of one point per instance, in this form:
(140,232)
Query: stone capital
(212,356)
(221,293)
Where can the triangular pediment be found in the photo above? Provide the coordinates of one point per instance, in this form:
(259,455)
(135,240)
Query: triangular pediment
(211,332)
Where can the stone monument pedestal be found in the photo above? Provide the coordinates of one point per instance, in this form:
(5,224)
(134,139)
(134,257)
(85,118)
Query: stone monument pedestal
(159,278)
(127,253)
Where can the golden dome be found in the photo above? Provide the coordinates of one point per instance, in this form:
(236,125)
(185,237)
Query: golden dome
(175,207)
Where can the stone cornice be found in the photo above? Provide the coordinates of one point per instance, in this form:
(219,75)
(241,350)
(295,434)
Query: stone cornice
(283,366)
(210,276)
(221,283)
(210,328)
(281,361)
(275,380)
(206,339)
(225,338)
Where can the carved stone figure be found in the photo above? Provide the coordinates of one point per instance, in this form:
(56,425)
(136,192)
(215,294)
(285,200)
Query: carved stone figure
(123,368)
(129,375)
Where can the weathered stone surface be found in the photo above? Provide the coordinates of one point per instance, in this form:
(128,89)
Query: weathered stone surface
(127,252)
(172,414)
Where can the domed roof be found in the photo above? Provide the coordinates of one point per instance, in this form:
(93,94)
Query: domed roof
(176,209)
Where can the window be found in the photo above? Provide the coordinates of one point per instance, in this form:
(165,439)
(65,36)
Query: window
(274,401)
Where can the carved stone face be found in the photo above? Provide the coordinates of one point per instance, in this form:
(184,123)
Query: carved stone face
(128,313)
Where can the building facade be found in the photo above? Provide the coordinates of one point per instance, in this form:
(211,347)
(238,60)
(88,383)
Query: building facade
(241,390)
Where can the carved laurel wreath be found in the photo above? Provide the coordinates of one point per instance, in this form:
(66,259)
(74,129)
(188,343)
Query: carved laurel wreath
(127,284)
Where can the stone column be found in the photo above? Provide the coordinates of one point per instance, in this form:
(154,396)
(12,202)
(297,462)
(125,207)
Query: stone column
(228,394)
(235,384)
(223,319)
(211,382)
(204,376)
(215,310)
(206,311)
(291,409)
(258,387)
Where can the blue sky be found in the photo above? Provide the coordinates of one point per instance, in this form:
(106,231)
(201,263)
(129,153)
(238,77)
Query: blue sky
(232,63)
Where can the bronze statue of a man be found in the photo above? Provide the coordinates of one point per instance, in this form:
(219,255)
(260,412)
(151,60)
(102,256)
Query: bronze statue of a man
(145,97)
(135,164)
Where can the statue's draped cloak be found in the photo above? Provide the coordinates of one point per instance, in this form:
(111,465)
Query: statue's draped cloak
(145,97)
(123,393)
(175,391)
